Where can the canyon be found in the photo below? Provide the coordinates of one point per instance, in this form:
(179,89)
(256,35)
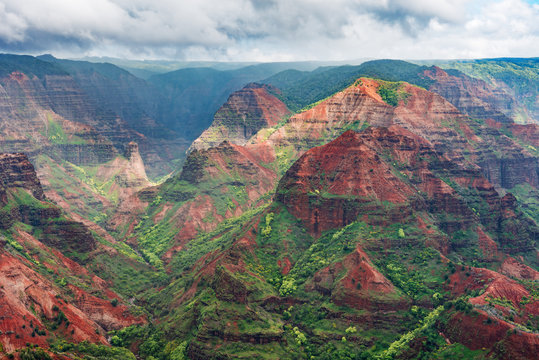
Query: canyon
(388,212)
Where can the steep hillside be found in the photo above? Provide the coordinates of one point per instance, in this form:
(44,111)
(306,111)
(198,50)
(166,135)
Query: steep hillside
(48,294)
(391,216)
(245,113)
(517,77)
(190,97)
(472,96)
(117,91)
(374,247)
(78,124)
(100,102)
(227,180)
(478,98)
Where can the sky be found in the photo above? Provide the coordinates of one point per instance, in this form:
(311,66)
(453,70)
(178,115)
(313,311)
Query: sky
(271,30)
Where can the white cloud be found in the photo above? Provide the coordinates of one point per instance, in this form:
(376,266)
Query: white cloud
(271,29)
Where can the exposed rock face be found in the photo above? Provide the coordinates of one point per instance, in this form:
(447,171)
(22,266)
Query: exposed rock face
(509,164)
(100,108)
(472,96)
(80,154)
(118,93)
(242,116)
(227,158)
(69,234)
(132,174)
(517,168)
(29,300)
(330,186)
(489,328)
(234,167)
(384,175)
(33,106)
(528,133)
(423,113)
(513,268)
(17,172)
(353,107)
(362,286)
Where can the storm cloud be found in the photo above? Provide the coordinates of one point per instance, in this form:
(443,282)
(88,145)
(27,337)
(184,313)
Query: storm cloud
(265,30)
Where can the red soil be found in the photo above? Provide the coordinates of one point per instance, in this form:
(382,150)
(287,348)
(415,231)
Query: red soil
(512,267)
(486,330)
(489,246)
(363,287)
(26,297)
(285,265)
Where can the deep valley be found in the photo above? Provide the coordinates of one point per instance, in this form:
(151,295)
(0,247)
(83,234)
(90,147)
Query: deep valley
(387,210)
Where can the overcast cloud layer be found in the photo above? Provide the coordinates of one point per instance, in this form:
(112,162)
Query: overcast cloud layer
(271,30)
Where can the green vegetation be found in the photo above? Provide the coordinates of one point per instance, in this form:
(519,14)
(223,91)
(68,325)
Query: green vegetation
(528,199)
(392,92)
(56,134)
(459,351)
(300,89)
(264,285)
(329,248)
(91,351)
(29,65)
(266,231)
(519,76)
(33,354)
(68,179)
(400,345)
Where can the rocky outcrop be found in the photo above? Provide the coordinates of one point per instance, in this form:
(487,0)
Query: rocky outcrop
(127,174)
(471,96)
(330,186)
(362,286)
(17,172)
(499,318)
(242,177)
(242,116)
(30,302)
